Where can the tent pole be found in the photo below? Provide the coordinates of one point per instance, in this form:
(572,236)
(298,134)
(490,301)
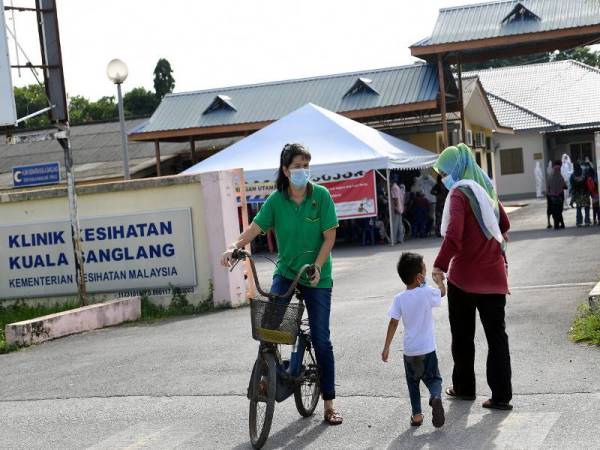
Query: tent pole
(390,210)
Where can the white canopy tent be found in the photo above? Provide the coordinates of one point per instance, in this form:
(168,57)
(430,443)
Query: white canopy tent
(338,145)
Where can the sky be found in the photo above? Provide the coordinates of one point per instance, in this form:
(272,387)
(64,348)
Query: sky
(218,43)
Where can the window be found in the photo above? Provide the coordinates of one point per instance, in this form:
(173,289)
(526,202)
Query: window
(488,158)
(580,151)
(469,138)
(511,161)
(478,158)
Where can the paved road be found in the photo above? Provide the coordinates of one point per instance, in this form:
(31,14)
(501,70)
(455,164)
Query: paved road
(181,383)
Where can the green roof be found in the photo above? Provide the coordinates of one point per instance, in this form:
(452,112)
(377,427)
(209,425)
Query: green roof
(508,18)
(271,101)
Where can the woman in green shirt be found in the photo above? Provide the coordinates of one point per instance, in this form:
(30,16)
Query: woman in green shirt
(302,214)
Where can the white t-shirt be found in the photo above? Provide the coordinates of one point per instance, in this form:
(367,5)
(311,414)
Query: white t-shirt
(413,306)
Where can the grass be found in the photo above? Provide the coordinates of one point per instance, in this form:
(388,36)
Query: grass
(21,311)
(179,306)
(586,327)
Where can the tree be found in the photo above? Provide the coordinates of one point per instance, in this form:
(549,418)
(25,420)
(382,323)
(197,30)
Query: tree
(581,54)
(163,78)
(30,99)
(81,110)
(140,102)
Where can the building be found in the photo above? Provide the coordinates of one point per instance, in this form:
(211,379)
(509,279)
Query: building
(98,154)
(554,109)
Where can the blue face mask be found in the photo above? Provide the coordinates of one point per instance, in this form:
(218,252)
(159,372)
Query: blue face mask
(448,181)
(299,177)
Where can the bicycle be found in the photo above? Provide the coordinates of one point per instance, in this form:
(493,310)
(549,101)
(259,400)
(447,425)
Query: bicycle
(274,379)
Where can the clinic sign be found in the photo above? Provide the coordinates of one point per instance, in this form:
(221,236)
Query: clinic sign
(36,174)
(121,253)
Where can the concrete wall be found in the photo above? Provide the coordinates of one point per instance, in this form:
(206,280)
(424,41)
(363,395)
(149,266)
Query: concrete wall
(519,184)
(427,141)
(146,195)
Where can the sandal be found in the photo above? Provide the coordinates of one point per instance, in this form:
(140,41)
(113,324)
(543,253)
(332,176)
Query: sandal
(491,404)
(332,417)
(415,423)
(450,392)
(437,412)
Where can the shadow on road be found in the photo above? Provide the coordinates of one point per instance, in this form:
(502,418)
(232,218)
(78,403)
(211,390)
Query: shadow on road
(457,433)
(298,434)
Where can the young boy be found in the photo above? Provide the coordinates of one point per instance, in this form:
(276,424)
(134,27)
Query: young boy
(420,360)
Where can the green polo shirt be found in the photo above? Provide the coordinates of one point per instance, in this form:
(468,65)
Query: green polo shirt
(299,230)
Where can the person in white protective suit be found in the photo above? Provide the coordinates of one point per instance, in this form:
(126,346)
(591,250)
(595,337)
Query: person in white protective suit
(539,179)
(566,170)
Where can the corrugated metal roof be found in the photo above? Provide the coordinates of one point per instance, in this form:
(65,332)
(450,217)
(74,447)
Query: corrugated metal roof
(271,101)
(565,93)
(485,20)
(97,151)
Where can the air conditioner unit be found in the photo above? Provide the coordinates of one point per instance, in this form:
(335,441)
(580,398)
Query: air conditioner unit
(470,138)
(480,139)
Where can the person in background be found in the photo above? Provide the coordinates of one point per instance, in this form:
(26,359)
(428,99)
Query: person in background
(566,169)
(555,191)
(398,193)
(440,192)
(580,195)
(421,215)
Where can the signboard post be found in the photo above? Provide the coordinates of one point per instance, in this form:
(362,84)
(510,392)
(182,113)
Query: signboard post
(36,174)
(8,111)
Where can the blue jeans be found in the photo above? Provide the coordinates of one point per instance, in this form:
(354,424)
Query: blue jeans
(318,305)
(425,368)
(579,215)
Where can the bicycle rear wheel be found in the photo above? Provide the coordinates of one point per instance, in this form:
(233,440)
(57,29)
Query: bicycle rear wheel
(306,394)
(263,385)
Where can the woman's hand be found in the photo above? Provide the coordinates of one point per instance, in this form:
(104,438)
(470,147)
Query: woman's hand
(438,275)
(226,258)
(316,277)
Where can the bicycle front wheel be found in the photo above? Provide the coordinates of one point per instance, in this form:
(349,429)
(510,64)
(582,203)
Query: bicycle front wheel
(306,394)
(262,398)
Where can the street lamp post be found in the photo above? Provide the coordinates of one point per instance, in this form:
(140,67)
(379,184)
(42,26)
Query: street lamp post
(117,73)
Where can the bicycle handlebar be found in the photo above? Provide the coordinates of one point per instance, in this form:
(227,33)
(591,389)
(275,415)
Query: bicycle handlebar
(240,255)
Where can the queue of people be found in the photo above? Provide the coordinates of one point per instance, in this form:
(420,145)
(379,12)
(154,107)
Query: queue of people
(577,188)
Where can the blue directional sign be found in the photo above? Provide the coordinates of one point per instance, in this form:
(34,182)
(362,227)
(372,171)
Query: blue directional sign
(36,174)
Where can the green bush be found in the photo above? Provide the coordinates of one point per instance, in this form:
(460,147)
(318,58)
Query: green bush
(21,311)
(586,327)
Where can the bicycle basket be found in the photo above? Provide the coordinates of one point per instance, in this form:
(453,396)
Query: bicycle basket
(275,323)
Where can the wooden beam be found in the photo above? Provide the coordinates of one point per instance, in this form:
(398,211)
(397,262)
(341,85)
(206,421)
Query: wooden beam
(463,130)
(193,150)
(587,32)
(157,155)
(240,129)
(442,100)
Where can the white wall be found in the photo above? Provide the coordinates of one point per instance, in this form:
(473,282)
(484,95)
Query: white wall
(524,183)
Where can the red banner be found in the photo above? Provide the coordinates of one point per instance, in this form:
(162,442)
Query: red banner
(354,198)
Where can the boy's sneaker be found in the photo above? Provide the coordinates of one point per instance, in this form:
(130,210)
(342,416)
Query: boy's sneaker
(437,412)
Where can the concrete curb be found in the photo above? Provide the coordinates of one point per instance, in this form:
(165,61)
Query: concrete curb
(77,320)
(594,297)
